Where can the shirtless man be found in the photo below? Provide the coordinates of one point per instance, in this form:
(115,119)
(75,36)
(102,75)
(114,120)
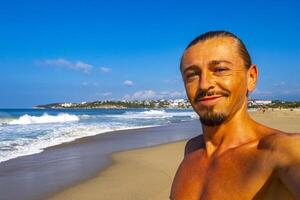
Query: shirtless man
(236,158)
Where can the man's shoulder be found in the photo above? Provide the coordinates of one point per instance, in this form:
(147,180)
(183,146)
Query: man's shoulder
(194,144)
(194,153)
(282,145)
(276,140)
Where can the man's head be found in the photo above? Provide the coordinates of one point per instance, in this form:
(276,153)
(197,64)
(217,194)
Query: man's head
(214,34)
(218,74)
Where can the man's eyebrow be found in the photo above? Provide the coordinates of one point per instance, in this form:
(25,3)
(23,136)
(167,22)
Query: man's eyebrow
(216,62)
(189,67)
(211,63)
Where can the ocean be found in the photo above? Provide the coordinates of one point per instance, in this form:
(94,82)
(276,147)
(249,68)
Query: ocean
(29,131)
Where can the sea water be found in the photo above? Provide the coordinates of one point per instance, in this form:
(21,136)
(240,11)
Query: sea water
(29,131)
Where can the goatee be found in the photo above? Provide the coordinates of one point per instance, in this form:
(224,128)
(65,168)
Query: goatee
(211,118)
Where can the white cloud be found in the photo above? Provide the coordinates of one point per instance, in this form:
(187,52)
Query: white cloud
(280,84)
(141,95)
(262,93)
(281,90)
(84,83)
(128,83)
(106,94)
(89,83)
(151,94)
(173,94)
(146,94)
(173,80)
(105,69)
(164,93)
(177,94)
(127,97)
(63,63)
(78,65)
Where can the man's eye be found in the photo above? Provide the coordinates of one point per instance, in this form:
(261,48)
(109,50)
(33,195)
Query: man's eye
(220,70)
(191,74)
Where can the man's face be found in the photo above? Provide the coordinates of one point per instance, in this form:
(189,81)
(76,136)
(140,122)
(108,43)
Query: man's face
(215,79)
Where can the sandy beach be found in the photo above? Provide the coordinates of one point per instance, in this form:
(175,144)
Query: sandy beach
(136,174)
(147,173)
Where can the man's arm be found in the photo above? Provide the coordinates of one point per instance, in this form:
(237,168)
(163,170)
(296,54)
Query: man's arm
(287,151)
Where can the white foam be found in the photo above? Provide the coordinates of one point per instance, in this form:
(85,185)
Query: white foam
(84,116)
(4,121)
(152,114)
(61,134)
(45,118)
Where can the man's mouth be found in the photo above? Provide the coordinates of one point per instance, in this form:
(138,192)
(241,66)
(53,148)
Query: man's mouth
(209,100)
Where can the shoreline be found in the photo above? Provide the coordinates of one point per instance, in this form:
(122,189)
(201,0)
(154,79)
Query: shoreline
(78,140)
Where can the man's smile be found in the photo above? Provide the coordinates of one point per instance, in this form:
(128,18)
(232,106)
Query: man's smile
(209,100)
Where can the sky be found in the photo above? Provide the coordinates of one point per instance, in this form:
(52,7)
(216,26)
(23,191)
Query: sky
(74,51)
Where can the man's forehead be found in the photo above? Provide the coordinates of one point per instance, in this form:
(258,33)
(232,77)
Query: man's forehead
(219,48)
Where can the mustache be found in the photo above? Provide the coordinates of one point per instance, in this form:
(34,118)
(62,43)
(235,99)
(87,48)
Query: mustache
(203,93)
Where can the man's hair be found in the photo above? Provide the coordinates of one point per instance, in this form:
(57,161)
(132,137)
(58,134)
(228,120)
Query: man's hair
(214,34)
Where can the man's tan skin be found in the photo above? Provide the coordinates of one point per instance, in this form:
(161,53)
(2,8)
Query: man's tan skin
(239,158)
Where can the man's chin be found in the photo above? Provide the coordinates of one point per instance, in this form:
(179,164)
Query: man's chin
(212,118)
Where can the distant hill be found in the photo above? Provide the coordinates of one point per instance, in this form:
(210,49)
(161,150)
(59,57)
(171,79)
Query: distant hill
(176,103)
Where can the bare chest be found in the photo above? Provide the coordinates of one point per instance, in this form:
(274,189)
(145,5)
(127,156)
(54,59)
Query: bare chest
(235,175)
(233,178)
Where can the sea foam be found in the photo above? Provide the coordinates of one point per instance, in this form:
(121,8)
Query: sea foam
(45,118)
(57,135)
(152,114)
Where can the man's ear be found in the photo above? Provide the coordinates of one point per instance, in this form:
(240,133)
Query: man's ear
(252,75)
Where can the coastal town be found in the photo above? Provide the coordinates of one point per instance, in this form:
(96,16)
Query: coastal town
(162,103)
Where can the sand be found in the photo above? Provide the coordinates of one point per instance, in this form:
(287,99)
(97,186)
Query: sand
(148,173)
(137,174)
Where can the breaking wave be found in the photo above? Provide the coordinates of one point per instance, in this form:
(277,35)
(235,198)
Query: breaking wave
(152,114)
(45,118)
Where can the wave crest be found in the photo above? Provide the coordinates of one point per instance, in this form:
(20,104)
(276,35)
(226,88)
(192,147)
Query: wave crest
(45,118)
(157,114)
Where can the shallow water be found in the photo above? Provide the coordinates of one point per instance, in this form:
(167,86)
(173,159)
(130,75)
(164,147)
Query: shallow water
(29,131)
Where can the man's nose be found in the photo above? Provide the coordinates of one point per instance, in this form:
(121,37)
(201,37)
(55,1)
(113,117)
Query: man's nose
(206,81)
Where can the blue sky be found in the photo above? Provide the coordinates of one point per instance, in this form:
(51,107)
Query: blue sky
(73,51)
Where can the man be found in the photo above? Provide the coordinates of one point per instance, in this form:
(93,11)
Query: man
(236,157)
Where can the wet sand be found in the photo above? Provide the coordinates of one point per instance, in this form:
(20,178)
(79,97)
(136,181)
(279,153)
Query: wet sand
(148,173)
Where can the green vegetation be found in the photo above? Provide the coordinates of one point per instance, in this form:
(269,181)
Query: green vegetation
(284,104)
(277,104)
(178,103)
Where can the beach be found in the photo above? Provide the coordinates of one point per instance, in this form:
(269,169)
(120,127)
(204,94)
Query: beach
(56,168)
(148,173)
(136,174)
(127,164)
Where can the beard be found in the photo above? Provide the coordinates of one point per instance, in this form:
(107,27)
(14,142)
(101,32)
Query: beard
(211,118)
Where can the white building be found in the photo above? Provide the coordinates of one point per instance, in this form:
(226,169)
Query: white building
(66,105)
(262,102)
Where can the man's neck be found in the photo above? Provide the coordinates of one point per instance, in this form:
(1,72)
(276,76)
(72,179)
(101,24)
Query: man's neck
(236,131)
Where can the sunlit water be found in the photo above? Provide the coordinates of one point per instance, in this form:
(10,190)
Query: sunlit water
(29,131)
